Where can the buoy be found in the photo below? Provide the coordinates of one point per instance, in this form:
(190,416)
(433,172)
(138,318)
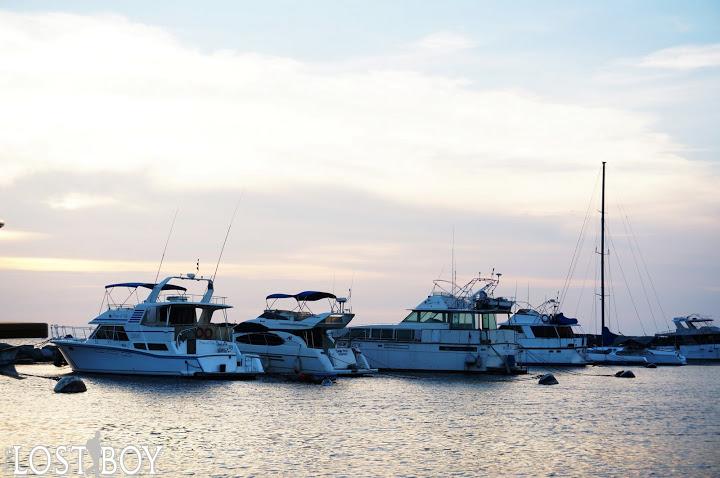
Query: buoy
(650,365)
(625,374)
(548,379)
(70,385)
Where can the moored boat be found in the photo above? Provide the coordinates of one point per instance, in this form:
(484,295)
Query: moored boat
(453,330)
(694,337)
(169,333)
(294,341)
(546,338)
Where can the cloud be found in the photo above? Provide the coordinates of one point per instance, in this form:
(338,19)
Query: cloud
(10,235)
(311,270)
(688,57)
(74,201)
(104,94)
(444,42)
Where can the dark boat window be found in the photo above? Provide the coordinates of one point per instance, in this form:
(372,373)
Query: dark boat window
(544,331)
(516,328)
(257,339)
(387,334)
(565,332)
(111,332)
(243,339)
(140,346)
(182,315)
(273,339)
(358,333)
(405,335)
(157,347)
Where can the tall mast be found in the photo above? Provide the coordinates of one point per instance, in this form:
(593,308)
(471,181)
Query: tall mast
(602,260)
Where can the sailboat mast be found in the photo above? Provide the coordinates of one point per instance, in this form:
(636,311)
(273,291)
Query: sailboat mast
(602,259)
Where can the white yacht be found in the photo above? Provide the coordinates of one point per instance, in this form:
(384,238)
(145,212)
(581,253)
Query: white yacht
(622,349)
(169,333)
(295,341)
(546,338)
(694,337)
(453,330)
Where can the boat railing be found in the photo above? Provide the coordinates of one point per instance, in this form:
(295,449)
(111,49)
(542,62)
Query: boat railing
(200,331)
(70,332)
(180,298)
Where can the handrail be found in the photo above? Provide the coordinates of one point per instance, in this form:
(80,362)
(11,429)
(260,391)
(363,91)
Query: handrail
(75,332)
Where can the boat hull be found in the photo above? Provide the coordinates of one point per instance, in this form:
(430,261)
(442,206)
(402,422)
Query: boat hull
(696,353)
(435,357)
(289,360)
(94,358)
(551,356)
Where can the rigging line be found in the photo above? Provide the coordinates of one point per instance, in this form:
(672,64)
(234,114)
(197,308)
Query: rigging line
(614,298)
(222,249)
(172,226)
(584,283)
(578,243)
(627,286)
(637,269)
(647,271)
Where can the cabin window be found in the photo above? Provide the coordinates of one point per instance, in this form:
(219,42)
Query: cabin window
(182,315)
(427,316)
(386,334)
(489,322)
(273,340)
(565,332)
(405,335)
(157,347)
(375,333)
(412,317)
(462,320)
(139,345)
(516,328)
(544,332)
(358,333)
(111,332)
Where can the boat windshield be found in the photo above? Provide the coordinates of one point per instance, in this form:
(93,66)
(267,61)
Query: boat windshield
(177,314)
(457,320)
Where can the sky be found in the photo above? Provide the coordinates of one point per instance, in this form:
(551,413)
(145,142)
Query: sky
(365,144)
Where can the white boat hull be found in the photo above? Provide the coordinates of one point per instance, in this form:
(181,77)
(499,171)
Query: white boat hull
(551,356)
(609,356)
(290,360)
(435,357)
(696,352)
(98,358)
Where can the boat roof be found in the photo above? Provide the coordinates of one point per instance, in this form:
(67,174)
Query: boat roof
(307,295)
(147,285)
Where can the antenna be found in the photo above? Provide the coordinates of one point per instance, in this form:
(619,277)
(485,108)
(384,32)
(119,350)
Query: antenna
(452,263)
(157,274)
(222,249)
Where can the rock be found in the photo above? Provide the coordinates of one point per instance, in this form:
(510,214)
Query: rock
(326,382)
(70,385)
(650,365)
(625,374)
(548,379)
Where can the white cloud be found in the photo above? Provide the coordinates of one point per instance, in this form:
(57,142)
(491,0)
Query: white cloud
(444,42)
(101,93)
(688,57)
(73,201)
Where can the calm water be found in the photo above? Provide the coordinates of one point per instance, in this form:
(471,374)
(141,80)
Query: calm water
(666,422)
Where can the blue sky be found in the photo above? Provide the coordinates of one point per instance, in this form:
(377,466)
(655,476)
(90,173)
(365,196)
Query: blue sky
(393,122)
